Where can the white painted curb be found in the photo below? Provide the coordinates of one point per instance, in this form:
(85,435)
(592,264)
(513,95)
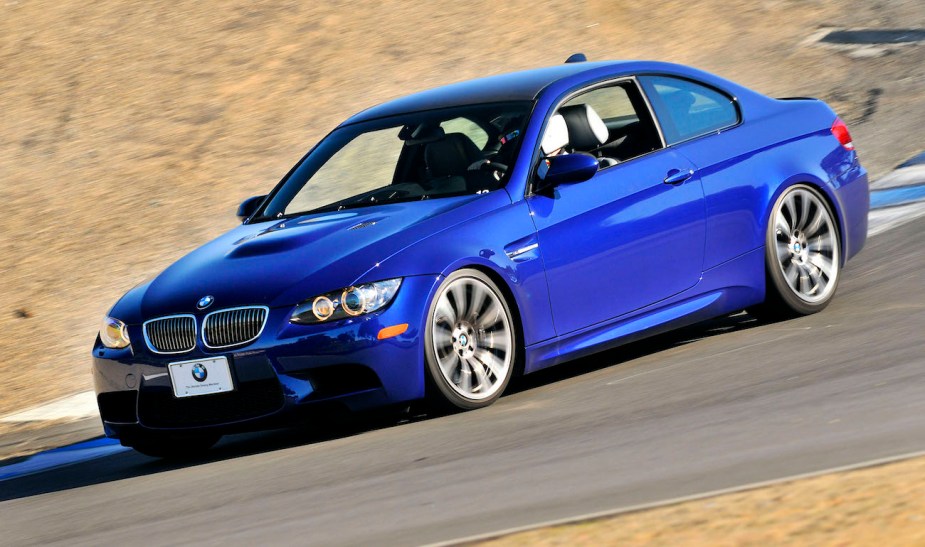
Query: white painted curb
(75,407)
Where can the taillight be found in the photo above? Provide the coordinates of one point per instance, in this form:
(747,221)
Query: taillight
(840,130)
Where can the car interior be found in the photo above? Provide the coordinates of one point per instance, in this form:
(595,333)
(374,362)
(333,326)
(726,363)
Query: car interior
(434,162)
(624,131)
(447,163)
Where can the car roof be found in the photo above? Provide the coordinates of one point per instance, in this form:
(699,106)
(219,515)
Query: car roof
(514,86)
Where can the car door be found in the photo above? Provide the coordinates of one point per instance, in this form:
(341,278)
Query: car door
(702,123)
(625,239)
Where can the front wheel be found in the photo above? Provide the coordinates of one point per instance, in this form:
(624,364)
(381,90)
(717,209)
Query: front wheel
(470,341)
(802,254)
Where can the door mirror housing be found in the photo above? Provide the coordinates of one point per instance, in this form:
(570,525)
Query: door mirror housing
(566,169)
(249,206)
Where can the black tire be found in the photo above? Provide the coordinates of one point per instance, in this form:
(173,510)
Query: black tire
(798,206)
(442,392)
(171,446)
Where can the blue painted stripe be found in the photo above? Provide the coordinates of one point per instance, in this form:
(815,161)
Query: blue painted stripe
(60,457)
(915,160)
(897,196)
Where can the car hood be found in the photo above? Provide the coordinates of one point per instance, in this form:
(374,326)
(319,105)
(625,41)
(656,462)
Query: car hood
(281,263)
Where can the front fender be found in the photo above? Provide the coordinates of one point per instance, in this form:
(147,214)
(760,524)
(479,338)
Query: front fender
(482,242)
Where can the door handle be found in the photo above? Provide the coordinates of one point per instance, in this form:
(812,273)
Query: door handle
(677,176)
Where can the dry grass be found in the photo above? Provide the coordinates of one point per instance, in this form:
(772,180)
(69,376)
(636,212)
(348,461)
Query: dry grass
(877,506)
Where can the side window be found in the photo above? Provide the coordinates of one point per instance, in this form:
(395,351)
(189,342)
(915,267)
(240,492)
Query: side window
(686,109)
(608,102)
(612,123)
(468,128)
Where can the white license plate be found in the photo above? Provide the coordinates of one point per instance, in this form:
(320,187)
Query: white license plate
(200,377)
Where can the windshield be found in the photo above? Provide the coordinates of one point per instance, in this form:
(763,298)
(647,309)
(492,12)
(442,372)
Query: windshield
(416,156)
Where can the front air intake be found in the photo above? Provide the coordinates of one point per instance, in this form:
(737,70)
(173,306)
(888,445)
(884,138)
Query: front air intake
(233,327)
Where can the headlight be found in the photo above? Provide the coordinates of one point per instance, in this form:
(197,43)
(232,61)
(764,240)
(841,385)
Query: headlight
(349,302)
(114,333)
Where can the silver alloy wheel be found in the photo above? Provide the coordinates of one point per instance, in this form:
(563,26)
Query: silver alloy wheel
(807,245)
(472,338)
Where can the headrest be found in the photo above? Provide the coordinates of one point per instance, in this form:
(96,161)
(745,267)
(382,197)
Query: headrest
(586,129)
(451,156)
(556,135)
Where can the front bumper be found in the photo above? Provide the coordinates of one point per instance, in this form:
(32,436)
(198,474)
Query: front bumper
(289,369)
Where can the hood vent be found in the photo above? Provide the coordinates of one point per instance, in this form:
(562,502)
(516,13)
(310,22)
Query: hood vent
(365,224)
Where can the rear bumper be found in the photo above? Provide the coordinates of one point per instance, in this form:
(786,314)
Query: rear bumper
(852,194)
(290,371)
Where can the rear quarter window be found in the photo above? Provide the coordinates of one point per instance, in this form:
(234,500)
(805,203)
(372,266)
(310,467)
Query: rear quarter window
(687,109)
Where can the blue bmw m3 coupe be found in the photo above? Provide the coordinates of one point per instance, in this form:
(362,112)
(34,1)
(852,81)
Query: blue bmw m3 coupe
(438,244)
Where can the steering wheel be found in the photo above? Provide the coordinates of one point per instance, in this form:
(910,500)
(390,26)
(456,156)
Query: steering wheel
(487,165)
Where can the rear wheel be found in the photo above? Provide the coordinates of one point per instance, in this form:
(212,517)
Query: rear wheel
(171,446)
(801,254)
(470,341)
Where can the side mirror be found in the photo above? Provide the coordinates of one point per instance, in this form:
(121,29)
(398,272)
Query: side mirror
(567,169)
(249,206)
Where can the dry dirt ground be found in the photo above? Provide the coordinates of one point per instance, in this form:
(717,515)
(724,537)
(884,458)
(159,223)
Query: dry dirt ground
(881,505)
(130,131)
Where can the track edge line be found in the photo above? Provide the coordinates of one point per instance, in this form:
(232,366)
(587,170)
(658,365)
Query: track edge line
(607,513)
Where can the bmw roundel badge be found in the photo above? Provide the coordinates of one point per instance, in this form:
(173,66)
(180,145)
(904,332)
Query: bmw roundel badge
(205,302)
(200,373)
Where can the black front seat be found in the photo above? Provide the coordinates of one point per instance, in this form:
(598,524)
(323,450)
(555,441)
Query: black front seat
(448,161)
(587,132)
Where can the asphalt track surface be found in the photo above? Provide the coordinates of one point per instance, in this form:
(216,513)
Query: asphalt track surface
(722,404)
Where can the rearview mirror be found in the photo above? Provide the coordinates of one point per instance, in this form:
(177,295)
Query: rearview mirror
(566,169)
(249,206)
